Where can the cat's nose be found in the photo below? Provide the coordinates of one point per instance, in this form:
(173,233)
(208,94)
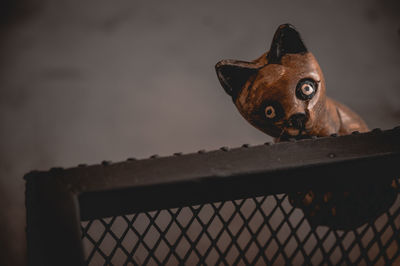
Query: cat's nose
(298,120)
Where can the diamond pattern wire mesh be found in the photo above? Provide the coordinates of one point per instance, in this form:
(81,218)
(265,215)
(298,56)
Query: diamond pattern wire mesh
(253,231)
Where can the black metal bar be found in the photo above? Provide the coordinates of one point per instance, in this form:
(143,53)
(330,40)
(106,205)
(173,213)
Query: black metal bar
(144,185)
(53,222)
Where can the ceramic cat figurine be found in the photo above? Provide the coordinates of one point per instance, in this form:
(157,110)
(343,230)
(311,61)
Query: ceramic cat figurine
(283,92)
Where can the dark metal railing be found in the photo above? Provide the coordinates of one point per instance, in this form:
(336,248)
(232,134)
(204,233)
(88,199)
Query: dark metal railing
(220,207)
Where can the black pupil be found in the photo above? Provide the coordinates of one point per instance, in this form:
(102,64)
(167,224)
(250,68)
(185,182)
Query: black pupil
(307,88)
(269,111)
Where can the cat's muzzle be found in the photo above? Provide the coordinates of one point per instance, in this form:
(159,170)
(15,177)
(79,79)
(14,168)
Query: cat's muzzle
(298,121)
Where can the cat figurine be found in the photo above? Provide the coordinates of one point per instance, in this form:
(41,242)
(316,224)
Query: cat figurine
(283,94)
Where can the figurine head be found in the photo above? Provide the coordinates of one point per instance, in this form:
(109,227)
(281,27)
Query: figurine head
(282,93)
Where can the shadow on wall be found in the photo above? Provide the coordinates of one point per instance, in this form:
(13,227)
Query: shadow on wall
(86,81)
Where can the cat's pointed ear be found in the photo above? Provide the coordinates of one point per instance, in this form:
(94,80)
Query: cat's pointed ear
(233,74)
(286,40)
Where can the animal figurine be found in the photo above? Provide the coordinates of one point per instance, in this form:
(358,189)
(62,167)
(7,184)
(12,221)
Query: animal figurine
(283,94)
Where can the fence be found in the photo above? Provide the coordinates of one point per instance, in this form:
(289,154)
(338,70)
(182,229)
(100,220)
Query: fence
(229,207)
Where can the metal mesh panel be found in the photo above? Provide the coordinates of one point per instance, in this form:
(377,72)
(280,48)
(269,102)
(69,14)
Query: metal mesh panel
(253,231)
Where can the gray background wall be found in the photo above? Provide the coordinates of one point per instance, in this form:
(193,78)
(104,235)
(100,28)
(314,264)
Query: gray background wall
(85,81)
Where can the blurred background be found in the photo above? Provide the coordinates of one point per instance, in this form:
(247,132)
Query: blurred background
(86,81)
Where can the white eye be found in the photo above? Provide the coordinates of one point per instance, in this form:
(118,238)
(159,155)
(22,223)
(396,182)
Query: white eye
(307,89)
(270,112)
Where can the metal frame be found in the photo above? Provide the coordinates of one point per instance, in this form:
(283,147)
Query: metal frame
(57,200)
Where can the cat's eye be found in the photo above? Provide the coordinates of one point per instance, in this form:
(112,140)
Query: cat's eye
(306,89)
(270,112)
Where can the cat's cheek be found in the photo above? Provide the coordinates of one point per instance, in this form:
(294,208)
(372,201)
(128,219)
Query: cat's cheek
(311,120)
(271,130)
(243,110)
(315,100)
